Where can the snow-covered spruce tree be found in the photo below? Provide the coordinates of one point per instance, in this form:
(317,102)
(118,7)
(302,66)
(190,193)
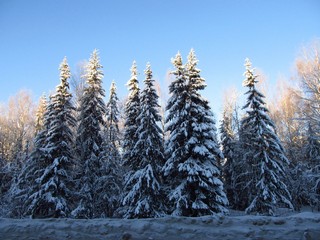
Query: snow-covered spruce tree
(143,195)
(313,146)
(300,184)
(112,180)
(174,120)
(313,156)
(132,111)
(192,149)
(40,114)
(264,156)
(55,195)
(5,186)
(228,143)
(112,121)
(241,174)
(304,177)
(26,185)
(29,180)
(90,143)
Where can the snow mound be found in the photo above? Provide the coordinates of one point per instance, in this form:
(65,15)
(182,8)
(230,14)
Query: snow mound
(304,225)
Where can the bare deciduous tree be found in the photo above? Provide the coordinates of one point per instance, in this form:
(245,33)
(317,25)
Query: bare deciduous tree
(16,125)
(78,81)
(308,69)
(286,112)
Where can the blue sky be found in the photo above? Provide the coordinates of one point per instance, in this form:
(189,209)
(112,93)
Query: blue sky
(36,35)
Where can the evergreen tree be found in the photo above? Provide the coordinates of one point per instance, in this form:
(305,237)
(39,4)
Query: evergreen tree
(54,195)
(313,175)
(300,184)
(27,183)
(264,156)
(90,142)
(112,121)
(112,180)
(40,114)
(313,146)
(143,187)
(132,111)
(5,183)
(228,143)
(192,149)
(3,177)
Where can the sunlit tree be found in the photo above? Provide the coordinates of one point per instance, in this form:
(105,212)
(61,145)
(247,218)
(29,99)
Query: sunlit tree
(143,196)
(192,150)
(90,141)
(263,153)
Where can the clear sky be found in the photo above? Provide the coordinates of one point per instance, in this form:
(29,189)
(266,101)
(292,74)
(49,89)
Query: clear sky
(36,35)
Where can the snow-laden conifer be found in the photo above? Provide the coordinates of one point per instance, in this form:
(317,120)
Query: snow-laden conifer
(143,197)
(313,175)
(192,149)
(23,191)
(40,114)
(228,144)
(5,188)
(132,111)
(31,170)
(111,181)
(5,182)
(112,121)
(54,195)
(313,145)
(264,156)
(90,142)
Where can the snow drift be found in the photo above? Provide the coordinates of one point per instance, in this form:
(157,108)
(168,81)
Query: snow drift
(305,225)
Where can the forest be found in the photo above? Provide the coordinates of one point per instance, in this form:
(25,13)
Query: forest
(75,155)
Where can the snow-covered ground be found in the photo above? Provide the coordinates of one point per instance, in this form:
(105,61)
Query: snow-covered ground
(304,225)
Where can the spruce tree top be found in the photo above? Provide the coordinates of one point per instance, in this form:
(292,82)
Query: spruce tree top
(63,87)
(113,99)
(177,85)
(113,88)
(197,83)
(177,61)
(40,114)
(149,99)
(94,73)
(112,114)
(64,71)
(255,102)
(250,79)
(148,72)
(133,83)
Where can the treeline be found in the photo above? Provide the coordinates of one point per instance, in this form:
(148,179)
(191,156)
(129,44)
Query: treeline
(75,160)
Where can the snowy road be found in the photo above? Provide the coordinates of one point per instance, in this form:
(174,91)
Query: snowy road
(299,226)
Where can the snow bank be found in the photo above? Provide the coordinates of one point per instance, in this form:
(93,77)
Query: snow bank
(304,225)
